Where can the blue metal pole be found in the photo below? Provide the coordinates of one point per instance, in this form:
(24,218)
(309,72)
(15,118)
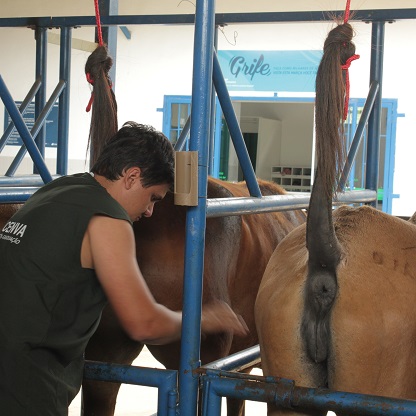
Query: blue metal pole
(352,152)
(235,132)
(22,109)
(23,131)
(211,402)
(63,115)
(196,216)
(374,122)
(211,148)
(40,99)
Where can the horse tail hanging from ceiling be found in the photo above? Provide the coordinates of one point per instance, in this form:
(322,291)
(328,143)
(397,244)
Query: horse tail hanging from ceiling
(103,102)
(331,104)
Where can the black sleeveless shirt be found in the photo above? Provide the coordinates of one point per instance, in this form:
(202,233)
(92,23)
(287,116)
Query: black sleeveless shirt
(49,304)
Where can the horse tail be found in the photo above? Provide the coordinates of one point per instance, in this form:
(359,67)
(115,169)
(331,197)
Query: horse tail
(104,124)
(321,241)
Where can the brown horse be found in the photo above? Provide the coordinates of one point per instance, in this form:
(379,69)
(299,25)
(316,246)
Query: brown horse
(237,249)
(336,304)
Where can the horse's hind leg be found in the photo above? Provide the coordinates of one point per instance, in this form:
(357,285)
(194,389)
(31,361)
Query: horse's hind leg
(108,344)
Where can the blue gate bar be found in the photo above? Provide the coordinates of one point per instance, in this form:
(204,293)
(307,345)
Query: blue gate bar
(285,394)
(352,152)
(196,216)
(23,131)
(374,122)
(235,131)
(220,207)
(63,109)
(22,109)
(37,127)
(164,380)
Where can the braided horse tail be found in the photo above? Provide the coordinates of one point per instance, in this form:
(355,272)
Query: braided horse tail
(104,123)
(322,244)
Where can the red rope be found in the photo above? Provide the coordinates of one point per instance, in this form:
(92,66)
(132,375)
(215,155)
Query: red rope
(347,82)
(347,65)
(97,18)
(100,43)
(347,11)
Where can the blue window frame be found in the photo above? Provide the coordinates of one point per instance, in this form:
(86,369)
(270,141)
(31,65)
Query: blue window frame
(177,108)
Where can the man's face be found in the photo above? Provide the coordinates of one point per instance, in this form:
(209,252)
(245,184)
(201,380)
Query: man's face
(143,199)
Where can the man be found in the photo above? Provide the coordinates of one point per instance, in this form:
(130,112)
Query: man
(67,251)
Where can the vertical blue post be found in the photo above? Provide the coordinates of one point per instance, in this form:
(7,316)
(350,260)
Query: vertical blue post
(213,113)
(196,216)
(63,117)
(40,99)
(374,122)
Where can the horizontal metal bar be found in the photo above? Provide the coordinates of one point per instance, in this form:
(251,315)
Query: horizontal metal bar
(220,18)
(141,376)
(165,380)
(236,362)
(23,180)
(13,195)
(220,207)
(284,393)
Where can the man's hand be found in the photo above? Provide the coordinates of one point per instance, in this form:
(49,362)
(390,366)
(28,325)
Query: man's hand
(219,317)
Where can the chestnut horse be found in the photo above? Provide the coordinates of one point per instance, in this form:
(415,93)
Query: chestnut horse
(336,306)
(237,249)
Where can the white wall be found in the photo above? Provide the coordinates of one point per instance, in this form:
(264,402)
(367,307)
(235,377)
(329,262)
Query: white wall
(158,61)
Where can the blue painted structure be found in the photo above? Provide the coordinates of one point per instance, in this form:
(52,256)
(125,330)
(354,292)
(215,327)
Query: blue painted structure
(217,383)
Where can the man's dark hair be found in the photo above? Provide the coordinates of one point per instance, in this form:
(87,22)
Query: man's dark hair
(137,145)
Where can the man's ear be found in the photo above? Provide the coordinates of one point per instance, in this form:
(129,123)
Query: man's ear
(131,176)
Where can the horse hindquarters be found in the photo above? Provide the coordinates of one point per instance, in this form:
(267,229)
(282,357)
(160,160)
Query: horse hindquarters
(373,321)
(374,318)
